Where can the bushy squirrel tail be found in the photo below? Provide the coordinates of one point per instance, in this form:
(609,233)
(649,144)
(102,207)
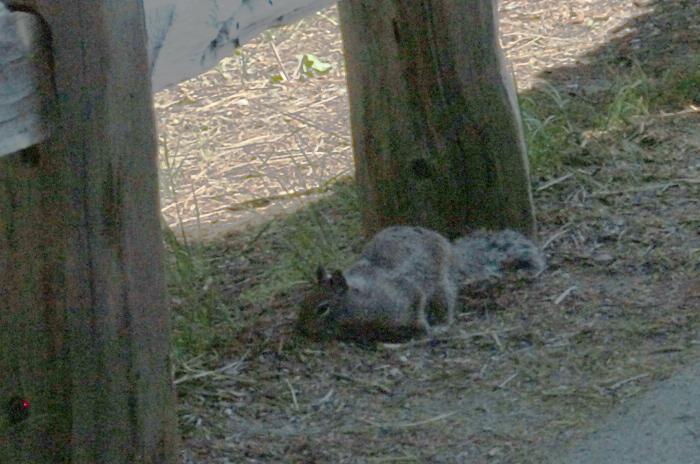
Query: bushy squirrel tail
(482,255)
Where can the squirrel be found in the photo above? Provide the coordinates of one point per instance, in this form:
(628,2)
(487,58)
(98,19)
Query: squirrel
(406,283)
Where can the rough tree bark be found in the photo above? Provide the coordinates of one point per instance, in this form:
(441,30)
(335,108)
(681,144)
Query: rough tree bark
(83,318)
(436,127)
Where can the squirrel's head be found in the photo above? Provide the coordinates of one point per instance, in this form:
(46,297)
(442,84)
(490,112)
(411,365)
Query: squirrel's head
(318,317)
(336,308)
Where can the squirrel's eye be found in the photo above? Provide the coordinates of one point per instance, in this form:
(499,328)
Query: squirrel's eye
(322,309)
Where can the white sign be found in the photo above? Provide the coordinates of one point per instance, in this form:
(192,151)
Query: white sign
(25,82)
(188,37)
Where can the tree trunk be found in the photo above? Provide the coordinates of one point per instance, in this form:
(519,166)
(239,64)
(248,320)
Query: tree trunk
(436,128)
(84,325)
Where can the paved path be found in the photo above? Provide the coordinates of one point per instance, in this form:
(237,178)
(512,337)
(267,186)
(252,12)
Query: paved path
(660,427)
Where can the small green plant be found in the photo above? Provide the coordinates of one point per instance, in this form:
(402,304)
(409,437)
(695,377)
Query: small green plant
(631,100)
(688,88)
(681,85)
(547,127)
(310,65)
(199,313)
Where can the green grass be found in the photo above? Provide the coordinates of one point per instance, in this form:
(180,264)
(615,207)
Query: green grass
(631,98)
(546,133)
(283,254)
(202,320)
(681,85)
(555,122)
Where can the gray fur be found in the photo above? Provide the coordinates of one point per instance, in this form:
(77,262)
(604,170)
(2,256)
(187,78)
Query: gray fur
(406,282)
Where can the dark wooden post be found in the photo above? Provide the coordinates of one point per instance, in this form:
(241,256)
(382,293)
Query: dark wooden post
(84,326)
(436,127)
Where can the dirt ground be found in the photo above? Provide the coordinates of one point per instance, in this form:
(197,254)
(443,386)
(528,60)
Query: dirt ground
(530,365)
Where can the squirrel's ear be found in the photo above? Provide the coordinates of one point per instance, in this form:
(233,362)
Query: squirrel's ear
(338,282)
(322,276)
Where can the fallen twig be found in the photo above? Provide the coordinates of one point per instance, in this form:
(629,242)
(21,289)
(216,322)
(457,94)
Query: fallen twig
(209,373)
(617,385)
(294,395)
(553,182)
(411,424)
(366,383)
(564,294)
(506,381)
(556,235)
(279,61)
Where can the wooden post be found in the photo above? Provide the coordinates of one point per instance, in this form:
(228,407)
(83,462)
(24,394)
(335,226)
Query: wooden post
(436,127)
(84,325)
